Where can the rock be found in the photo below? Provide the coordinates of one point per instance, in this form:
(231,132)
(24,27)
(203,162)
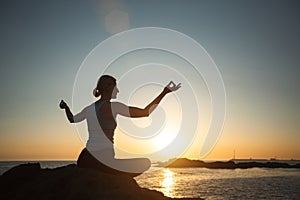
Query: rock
(184,162)
(30,181)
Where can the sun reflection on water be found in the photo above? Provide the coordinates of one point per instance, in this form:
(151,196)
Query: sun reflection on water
(168,183)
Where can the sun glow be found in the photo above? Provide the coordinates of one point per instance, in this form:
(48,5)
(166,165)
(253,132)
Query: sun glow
(163,139)
(149,145)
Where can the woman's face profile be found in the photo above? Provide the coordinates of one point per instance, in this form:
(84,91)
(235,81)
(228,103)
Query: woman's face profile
(114,92)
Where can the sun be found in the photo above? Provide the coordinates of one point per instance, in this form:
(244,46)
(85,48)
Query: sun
(164,139)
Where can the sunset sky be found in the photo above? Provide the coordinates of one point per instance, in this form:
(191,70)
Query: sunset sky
(255,45)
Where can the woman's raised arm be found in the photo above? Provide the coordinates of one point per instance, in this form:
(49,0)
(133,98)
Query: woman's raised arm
(128,111)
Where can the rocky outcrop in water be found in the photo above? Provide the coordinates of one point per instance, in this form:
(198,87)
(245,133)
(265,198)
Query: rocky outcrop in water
(29,181)
(184,162)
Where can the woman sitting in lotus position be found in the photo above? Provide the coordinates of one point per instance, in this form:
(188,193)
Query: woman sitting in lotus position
(101,121)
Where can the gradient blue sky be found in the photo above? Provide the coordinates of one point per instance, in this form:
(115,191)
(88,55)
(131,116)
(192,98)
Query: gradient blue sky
(255,44)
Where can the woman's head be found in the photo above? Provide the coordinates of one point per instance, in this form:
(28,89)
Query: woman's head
(106,86)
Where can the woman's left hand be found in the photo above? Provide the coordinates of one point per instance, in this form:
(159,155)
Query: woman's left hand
(172,87)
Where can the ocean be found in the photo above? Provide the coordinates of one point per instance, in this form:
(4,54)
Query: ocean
(254,183)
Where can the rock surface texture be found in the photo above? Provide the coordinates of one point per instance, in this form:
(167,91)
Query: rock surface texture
(29,181)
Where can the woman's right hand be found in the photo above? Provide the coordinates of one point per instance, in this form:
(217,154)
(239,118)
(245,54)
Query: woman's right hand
(63,104)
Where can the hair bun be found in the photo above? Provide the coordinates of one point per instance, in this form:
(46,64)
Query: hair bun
(96,92)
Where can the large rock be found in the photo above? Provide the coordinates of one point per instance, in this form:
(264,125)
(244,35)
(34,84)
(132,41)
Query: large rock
(29,181)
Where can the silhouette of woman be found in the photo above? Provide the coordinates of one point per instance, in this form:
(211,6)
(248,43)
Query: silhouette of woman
(101,121)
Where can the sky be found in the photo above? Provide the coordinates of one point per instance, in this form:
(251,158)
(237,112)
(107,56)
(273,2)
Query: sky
(255,45)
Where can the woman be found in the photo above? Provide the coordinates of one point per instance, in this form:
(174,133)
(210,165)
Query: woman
(101,121)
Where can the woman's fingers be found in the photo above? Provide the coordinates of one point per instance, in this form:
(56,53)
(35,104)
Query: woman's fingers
(172,86)
(179,85)
(62,104)
(176,87)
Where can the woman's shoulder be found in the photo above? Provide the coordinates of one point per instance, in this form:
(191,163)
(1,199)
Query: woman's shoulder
(117,103)
(89,107)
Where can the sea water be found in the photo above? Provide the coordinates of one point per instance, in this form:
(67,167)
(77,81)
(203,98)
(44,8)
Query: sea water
(254,183)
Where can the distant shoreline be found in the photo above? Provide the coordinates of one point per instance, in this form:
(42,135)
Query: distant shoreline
(231,164)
